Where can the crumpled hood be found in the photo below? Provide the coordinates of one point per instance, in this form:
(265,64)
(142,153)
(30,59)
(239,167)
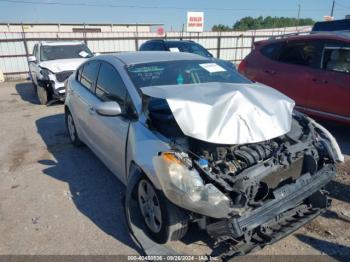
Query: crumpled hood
(61,65)
(226,113)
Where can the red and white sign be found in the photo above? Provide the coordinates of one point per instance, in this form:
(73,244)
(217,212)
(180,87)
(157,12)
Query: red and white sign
(195,21)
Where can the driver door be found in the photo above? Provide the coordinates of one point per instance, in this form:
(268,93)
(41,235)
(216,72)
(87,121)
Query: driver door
(109,133)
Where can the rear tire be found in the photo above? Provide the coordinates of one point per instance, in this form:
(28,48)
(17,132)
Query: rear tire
(72,130)
(164,221)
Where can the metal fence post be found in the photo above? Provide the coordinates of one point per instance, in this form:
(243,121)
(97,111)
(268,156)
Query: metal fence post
(25,42)
(218,46)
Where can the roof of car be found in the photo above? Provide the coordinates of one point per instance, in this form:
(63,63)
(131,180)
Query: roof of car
(336,35)
(155,56)
(171,40)
(58,43)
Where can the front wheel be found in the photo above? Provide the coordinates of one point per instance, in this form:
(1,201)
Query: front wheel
(43,95)
(164,221)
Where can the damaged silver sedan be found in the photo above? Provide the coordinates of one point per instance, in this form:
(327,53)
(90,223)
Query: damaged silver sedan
(196,142)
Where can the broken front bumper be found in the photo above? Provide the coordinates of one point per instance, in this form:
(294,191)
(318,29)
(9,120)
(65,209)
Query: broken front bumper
(294,205)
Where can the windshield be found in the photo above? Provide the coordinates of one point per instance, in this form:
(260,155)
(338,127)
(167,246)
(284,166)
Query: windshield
(183,72)
(188,48)
(64,52)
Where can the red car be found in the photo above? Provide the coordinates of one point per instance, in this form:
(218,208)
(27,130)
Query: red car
(312,69)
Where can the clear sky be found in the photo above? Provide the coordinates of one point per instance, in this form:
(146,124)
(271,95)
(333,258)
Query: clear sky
(171,13)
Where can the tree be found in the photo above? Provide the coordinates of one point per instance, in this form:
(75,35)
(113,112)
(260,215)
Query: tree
(250,23)
(220,27)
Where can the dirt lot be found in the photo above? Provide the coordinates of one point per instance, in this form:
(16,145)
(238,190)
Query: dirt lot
(57,199)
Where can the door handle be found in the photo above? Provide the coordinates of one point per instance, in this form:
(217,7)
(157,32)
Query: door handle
(92,110)
(316,80)
(270,72)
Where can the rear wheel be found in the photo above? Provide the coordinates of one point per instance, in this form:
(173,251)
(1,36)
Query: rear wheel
(164,220)
(72,131)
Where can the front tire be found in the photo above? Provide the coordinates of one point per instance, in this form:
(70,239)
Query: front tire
(72,130)
(164,221)
(43,95)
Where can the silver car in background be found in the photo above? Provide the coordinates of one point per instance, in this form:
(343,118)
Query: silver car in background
(196,142)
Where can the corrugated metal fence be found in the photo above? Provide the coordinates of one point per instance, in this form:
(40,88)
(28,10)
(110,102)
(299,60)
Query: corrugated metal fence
(233,46)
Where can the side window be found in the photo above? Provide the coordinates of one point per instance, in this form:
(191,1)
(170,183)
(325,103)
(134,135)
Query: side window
(89,74)
(272,50)
(158,46)
(110,86)
(336,57)
(298,53)
(146,47)
(79,72)
(34,50)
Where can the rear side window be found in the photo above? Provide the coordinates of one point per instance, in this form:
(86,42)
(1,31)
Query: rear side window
(158,46)
(110,86)
(89,74)
(272,50)
(298,53)
(79,72)
(188,47)
(146,47)
(336,58)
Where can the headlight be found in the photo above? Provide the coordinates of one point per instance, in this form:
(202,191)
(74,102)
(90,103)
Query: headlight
(46,73)
(183,186)
(338,156)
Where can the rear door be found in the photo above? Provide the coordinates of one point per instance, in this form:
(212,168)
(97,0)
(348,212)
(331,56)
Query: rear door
(260,64)
(329,83)
(83,97)
(295,62)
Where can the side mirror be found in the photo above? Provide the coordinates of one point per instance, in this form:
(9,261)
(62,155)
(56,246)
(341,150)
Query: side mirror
(31,59)
(110,108)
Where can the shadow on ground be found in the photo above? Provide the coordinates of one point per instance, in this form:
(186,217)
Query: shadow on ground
(339,252)
(27,92)
(339,191)
(95,191)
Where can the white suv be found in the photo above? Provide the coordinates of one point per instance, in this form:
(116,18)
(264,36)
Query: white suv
(52,63)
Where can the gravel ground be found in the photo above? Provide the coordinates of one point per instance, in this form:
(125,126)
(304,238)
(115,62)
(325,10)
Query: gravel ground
(56,199)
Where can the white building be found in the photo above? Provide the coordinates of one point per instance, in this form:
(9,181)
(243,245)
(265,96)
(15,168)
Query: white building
(76,28)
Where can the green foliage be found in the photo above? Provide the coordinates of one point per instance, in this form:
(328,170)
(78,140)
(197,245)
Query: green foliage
(250,23)
(220,27)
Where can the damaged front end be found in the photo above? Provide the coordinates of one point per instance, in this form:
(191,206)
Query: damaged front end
(246,195)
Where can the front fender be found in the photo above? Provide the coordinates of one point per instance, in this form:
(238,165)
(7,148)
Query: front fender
(143,146)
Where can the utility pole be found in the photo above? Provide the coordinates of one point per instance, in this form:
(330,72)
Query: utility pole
(299,7)
(332,8)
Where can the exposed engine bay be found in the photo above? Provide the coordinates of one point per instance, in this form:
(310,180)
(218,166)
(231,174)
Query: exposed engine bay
(273,187)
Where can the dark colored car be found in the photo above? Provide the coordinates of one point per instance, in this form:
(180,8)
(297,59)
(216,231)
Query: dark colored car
(335,25)
(313,69)
(186,46)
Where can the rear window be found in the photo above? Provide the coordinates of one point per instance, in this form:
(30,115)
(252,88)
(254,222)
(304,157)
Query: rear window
(183,72)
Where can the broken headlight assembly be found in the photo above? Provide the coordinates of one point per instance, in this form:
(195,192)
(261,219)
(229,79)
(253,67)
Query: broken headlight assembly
(46,74)
(182,185)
